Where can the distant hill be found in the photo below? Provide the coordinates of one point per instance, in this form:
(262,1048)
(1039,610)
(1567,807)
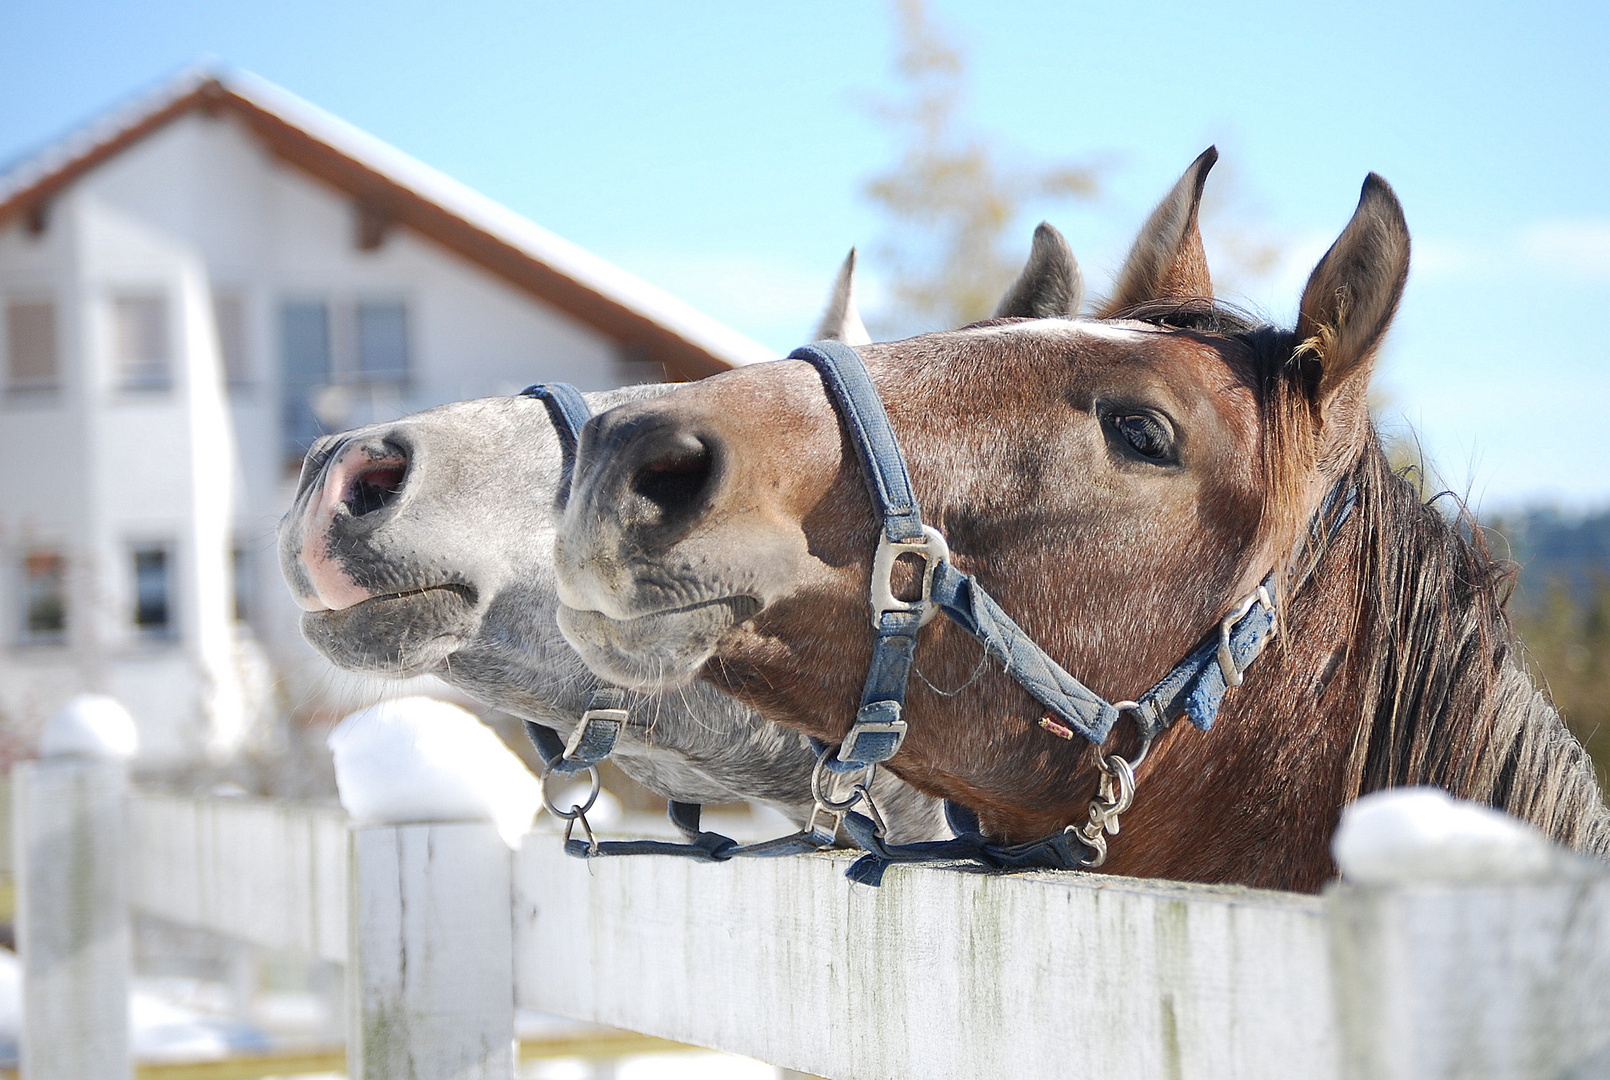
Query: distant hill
(1554,549)
(1561,609)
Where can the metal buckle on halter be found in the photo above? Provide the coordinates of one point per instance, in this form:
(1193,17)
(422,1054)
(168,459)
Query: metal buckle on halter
(932,548)
(579,732)
(1227,665)
(895,727)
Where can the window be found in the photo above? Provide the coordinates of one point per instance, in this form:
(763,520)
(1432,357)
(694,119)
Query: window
(140,342)
(382,342)
(229,316)
(44,597)
(31,345)
(153,616)
(305,350)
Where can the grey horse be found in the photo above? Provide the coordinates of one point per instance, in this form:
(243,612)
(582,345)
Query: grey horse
(424,545)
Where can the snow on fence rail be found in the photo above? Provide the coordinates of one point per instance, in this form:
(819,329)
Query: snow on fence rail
(940,973)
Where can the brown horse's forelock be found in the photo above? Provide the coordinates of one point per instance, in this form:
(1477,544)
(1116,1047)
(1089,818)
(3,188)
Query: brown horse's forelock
(1433,666)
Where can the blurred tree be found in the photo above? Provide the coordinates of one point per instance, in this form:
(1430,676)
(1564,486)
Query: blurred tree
(950,197)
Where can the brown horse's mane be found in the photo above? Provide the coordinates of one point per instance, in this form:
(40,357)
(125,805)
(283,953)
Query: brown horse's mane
(1434,667)
(1440,671)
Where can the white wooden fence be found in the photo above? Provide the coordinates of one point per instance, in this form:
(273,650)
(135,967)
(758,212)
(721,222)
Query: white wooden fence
(939,974)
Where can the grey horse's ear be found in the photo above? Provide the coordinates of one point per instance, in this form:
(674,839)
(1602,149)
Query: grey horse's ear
(1167,261)
(842,321)
(1050,286)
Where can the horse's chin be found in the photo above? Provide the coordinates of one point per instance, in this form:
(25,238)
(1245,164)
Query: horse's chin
(660,651)
(400,635)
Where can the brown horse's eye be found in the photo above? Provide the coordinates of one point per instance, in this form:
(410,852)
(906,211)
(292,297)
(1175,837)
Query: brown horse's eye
(1145,435)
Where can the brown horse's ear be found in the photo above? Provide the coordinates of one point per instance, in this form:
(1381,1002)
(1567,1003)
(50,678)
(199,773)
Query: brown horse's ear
(1346,307)
(1167,261)
(841,321)
(1050,286)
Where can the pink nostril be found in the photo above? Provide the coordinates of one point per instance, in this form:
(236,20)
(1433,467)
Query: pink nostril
(361,482)
(375,487)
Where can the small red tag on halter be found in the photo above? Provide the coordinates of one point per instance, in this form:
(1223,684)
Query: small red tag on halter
(1059,730)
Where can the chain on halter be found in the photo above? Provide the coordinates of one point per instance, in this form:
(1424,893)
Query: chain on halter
(577,811)
(1115,797)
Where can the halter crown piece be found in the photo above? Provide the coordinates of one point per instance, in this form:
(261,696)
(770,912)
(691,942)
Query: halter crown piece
(1193,688)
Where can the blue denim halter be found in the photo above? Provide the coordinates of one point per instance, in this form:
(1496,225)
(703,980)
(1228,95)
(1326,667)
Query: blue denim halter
(606,714)
(1193,688)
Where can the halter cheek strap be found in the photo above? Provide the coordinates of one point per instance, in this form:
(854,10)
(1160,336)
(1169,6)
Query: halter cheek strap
(569,412)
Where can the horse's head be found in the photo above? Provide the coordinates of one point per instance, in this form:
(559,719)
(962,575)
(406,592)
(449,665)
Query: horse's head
(1116,483)
(422,545)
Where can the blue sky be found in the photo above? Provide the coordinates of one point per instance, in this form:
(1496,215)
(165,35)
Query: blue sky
(718,150)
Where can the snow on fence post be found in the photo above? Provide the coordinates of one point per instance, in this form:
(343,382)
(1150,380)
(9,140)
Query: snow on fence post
(1464,945)
(439,801)
(72,900)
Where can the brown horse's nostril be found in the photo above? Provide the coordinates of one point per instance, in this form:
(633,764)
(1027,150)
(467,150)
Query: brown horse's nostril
(375,487)
(675,479)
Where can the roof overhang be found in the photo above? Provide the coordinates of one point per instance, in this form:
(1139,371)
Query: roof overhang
(391,188)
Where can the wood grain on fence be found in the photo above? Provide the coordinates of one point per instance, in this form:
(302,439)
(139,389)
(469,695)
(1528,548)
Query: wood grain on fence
(938,974)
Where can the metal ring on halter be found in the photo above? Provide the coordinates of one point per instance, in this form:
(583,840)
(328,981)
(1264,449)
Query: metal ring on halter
(576,809)
(839,806)
(1146,734)
(1115,797)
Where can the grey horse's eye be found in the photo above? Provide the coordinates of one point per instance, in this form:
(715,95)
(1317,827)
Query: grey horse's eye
(1145,435)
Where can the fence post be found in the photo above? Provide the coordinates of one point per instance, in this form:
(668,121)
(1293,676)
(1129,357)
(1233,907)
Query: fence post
(73,917)
(1464,945)
(430,976)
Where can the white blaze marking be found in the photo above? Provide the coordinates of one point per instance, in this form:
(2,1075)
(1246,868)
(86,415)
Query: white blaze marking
(1120,330)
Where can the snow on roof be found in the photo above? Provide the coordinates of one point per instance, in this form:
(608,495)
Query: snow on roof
(37,176)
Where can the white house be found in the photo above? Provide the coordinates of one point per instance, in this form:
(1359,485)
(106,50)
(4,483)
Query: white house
(192,288)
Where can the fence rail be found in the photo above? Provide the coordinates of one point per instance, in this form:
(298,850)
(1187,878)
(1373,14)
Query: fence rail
(269,873)
(941,973)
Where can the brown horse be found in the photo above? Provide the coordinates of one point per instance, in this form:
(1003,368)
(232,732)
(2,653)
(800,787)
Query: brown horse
(1116,484)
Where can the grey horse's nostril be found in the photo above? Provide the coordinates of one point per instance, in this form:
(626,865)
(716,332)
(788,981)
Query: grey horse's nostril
(676,478)
(376,486)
